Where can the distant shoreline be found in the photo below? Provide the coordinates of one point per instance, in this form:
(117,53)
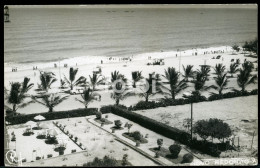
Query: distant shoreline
(84,60)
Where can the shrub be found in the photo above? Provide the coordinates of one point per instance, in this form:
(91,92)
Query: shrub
(106,116)
(49,155)
(187,158)
(157,155)
(73,150)
(41,136)
(24,160)
(159,143)
(76,138)
(124,160)
(71,136)
(105,162)
(80,144)
(254,92)
(38,157)
(103,120)
(51,116)
(118,123)
(98,115)
(136,135)
(175,150)
(165,130)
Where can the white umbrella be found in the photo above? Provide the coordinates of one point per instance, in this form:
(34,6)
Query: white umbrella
(44,126)
(39,117)
(30,123)
(52,132)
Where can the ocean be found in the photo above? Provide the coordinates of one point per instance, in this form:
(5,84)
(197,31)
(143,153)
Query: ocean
(44,35)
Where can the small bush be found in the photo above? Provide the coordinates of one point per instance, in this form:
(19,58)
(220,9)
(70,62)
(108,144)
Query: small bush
(76,138)
(80,144)
(136,135)
(187,158)
(118,123)
(254,92)
(98,115)
(105,162)
(103,120)
(38,157)
(24,160)
(73,150)
(106,116)
(159,143)
(175,150)
(49,155)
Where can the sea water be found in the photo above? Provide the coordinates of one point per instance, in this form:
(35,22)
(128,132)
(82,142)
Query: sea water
(80,35)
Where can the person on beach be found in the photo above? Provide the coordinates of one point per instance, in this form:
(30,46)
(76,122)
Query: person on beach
(101,61)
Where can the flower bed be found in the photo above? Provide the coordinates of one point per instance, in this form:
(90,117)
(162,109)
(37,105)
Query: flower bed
(103,120)
(131,137)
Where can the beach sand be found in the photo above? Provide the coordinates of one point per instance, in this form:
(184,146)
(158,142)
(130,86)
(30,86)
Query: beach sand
(137,64)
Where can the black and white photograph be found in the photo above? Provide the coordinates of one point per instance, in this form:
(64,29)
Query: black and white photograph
(107,85)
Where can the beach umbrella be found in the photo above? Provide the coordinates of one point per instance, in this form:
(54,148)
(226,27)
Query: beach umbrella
(44,126)
(52,132)
(30,123)
(39,117)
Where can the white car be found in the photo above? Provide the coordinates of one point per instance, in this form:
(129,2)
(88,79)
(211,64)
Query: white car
(76,91)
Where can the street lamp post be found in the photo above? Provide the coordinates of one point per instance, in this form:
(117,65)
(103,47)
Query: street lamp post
(189,95)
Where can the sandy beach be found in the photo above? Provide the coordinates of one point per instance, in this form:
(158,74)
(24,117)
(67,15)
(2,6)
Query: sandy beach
(138,63)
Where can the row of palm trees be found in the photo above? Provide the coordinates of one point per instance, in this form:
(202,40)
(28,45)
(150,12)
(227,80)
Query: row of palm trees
(18,90)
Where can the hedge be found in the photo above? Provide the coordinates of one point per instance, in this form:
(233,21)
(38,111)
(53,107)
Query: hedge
(142,105)
(20,119)
(169,132)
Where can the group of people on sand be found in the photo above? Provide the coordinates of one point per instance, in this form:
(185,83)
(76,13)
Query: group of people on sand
(119,58)
(14,69)
(214,52)
(35,68)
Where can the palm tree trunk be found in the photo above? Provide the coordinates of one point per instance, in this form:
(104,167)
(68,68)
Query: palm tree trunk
(173,96)
(14,108)
(146,98)
(134,85)
(50,109)
(71,87)
(117,102)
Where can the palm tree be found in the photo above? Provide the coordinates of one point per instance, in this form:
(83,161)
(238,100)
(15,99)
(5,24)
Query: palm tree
(233,69)
(221,83)
(47,79)
(247,65)
(204,70)
(50,101)
(72,76)
(87,97)
(95,80)
(136,76)
(199,83)
(176,86)
(116,76)
(245,78)
(187,72)
(219,69)
(120,93)
(149,90)
(18,94)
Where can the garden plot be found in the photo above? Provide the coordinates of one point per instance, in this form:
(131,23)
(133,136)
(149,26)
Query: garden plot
(149,135)
(99,143)
(30,147)
(240,113)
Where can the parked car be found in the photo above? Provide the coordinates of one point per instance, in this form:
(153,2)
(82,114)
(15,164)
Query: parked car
(76,91)
(218,57)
